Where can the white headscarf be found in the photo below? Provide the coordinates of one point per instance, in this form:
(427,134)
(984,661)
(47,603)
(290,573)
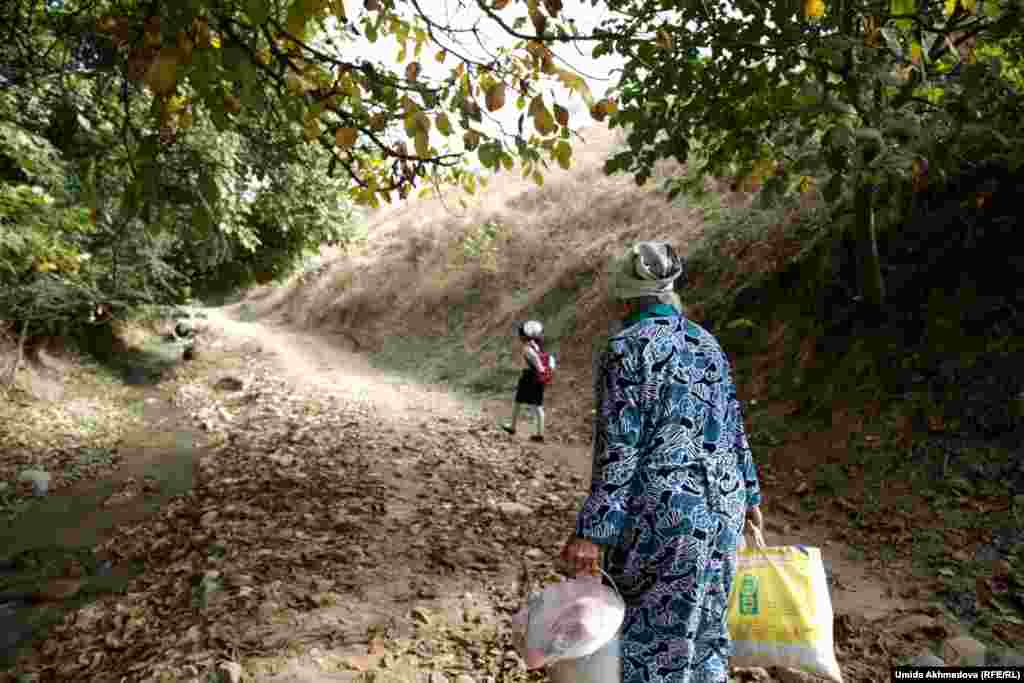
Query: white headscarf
(648,269)
(532,329)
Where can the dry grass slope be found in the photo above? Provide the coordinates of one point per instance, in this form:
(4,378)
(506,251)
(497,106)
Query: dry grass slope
(438,288)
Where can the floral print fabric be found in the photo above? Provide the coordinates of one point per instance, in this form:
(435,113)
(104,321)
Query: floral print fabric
(673,476)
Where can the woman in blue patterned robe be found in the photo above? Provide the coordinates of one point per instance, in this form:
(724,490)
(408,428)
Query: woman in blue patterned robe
(673,480)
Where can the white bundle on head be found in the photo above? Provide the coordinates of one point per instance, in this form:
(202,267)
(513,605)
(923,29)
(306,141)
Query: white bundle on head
(532,329)
(648,269)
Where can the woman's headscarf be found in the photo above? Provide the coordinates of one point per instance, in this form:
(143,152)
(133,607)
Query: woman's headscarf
(648,269)
(531,329)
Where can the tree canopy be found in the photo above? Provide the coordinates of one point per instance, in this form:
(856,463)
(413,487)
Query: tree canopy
(872,97)
(146,147)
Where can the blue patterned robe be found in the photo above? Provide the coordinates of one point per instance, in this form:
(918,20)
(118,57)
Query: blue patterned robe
(672,479)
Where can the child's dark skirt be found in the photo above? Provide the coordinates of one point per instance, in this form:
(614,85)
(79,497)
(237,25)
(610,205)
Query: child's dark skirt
(529,390)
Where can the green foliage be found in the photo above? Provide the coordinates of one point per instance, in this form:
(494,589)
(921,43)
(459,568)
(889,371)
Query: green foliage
(849,93)
(279,75)
(480,244)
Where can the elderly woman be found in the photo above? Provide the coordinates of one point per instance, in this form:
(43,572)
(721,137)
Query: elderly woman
(673,479)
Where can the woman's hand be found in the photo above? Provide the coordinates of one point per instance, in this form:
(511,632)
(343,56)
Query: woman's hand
(581,556)
(755,517)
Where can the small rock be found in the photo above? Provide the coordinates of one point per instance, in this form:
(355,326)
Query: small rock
(229,384)
(231,672)
(535,553)
(963,651)
(511,509)
(39,479)
(1004,658)
(791,676)
(926,659)
(283,460)
(208,518)
(914,623)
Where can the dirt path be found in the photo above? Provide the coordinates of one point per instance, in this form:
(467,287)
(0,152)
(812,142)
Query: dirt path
(306,359)
(344,520)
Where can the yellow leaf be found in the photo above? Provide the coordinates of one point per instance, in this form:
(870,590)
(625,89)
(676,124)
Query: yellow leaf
(378,121)
(312,130)
(600,110)
(553,7)
(495,97)
(561,115)
(544,122)
(162,75)
(915,53)
(426,193)
(422,122)
(185,120)
(444,126)
(439,57)
(538,178)
(507,162)
(969,5)
(346,137)
(422,143)
(563,154)
(540,21)
(471,139)
(814,8)
(339,9)
(411,124)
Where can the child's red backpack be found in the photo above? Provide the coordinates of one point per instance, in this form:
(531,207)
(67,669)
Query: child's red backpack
(547,361)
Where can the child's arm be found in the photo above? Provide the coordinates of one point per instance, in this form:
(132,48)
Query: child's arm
(532,358)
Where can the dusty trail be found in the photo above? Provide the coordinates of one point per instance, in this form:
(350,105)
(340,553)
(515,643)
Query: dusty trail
(346,520)
(313,361)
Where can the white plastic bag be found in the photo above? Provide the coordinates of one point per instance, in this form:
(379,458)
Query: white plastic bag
(780,612)
(567,620)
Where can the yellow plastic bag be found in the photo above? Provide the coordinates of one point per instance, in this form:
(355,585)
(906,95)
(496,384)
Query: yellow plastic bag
(780,613)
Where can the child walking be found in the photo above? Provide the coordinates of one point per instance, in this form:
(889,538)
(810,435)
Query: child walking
(530,390)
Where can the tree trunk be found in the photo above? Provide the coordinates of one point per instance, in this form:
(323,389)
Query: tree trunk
(869,265)
(13,373)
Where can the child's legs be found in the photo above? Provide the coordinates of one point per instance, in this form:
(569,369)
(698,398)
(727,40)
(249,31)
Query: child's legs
(515,414)
(538,412)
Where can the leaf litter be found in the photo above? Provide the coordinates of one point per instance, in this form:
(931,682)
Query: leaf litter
(327,528)
(307,507)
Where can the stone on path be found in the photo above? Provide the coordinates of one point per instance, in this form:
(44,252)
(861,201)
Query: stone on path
(926,659)
(511,509)
(228,384)
(1004,658)
(39,479)
(963,651)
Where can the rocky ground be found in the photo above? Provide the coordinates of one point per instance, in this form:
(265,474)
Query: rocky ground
(348,525)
